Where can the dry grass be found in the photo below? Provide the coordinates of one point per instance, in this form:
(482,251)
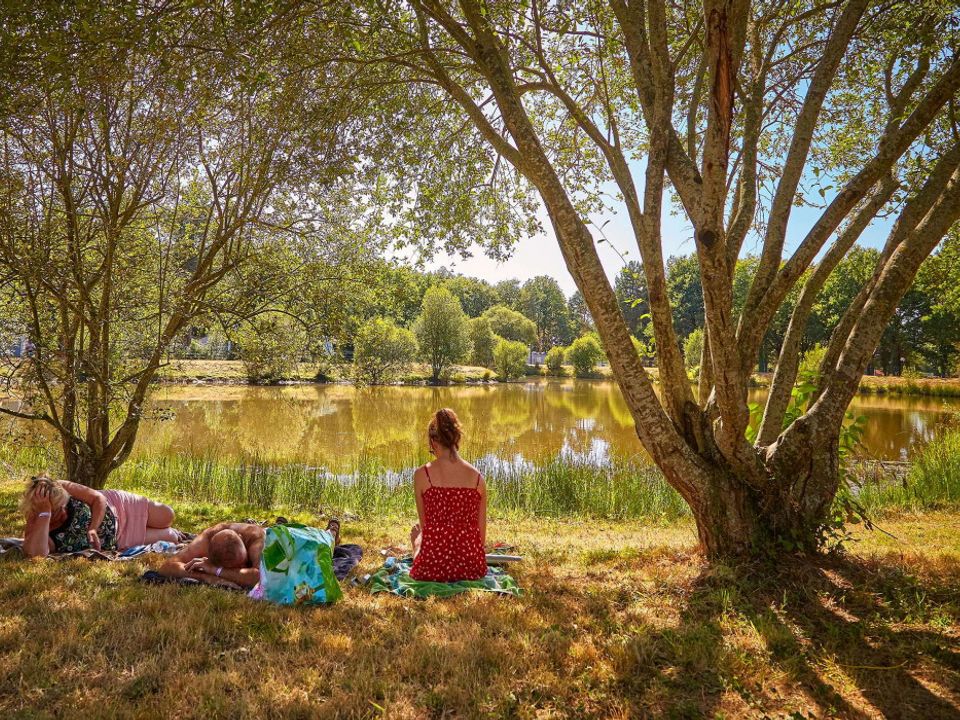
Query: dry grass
(618,620)
(937,387)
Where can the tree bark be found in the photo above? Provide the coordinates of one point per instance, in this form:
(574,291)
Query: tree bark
(746,499)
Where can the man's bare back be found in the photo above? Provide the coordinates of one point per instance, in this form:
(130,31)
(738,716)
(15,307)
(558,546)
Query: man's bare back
(225,554)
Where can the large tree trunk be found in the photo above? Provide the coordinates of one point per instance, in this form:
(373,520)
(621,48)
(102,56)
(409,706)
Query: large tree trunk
(786,513)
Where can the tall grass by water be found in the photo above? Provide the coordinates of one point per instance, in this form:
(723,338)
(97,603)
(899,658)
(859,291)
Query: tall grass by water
(614,488)
(893,385)
(932,483)
(568,485)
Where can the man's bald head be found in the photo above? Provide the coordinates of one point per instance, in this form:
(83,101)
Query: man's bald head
(227,550)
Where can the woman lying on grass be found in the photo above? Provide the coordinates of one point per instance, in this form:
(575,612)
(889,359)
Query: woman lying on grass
(452,506)
(68,517)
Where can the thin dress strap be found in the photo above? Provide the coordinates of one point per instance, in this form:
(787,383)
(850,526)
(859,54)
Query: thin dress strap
(478,481)
(427,471)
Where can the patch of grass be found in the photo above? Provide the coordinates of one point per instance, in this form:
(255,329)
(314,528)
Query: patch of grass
(618,619)
(933,387)
(232,372)
(568,486)
(559,487)
(932,483)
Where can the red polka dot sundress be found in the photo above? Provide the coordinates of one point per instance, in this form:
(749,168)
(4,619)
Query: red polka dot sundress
(451,548)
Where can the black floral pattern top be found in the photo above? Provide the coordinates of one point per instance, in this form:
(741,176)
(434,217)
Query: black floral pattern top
(72,535)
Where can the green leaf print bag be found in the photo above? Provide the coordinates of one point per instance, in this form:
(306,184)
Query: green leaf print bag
(296,567)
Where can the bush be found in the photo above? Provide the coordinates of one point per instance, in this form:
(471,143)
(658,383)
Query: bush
(442,331)
(693,349)
(484,341)
(511,325)
(327,361)
(554,361)
(584,354)
(382,352)
(271,347)
(809,370)
(910,372)
(510,359)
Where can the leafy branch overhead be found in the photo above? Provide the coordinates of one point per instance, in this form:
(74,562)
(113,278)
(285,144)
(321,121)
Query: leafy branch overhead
(735,113)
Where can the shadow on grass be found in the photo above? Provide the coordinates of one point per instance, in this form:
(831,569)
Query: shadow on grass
(840,637)
(609,631)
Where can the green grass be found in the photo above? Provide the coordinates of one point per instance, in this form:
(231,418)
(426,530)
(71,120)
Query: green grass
(932,483)
(930,387)
(620,616)
(569,486)
(618,619)
(561,487)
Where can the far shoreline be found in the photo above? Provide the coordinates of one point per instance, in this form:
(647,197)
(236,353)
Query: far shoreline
(230,372)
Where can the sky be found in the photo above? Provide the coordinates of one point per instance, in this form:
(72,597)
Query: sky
(540,255)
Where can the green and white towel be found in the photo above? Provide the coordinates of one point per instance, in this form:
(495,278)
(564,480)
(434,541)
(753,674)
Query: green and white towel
(394,577)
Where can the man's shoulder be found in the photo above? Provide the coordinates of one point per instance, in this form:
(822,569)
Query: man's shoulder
(249,531)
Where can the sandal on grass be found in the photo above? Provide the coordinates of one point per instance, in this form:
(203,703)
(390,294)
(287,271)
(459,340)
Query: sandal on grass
(333,527)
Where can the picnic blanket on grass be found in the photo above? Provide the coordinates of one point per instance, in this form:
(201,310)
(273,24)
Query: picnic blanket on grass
(345,558)
(161,547)
(394,577)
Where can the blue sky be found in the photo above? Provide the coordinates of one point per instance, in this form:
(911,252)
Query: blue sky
(540,255)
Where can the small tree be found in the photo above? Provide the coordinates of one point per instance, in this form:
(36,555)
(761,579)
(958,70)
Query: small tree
(382,352)
(693,349)
(542,300)
(554,360)
(135,177)
(442,331)
(483,342)
(271,347)
(510,359)
(584,354)
(511,324)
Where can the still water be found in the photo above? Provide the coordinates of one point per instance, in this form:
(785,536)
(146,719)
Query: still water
(334,425)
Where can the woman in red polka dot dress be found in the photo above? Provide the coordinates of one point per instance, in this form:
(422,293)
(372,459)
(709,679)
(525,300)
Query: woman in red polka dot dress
(452,505)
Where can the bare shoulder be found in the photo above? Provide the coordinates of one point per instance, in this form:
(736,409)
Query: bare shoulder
(420,477)
(249,532)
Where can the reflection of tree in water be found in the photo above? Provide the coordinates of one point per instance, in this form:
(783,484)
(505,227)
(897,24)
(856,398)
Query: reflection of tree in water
(336,426)
(257,423)
(390,422)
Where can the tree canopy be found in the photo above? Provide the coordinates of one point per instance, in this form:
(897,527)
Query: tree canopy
(742,112)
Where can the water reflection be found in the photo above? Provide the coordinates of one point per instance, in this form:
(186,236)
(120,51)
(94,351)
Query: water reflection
(334,425)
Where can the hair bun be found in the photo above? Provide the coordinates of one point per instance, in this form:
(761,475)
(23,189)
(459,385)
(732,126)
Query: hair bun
(445,428)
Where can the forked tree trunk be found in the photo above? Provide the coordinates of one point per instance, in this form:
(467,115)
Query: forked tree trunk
(84,468)
(737,517)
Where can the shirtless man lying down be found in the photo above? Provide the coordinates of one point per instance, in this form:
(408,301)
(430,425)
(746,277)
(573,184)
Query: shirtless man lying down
(225,554)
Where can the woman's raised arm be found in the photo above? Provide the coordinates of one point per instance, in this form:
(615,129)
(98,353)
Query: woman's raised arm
(36,537)
(98,508)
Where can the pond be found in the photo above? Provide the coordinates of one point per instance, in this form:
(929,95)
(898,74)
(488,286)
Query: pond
(332,426)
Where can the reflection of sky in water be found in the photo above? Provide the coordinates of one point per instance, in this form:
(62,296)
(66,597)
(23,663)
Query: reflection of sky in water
(597,454)
(507,427)
(504,465)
